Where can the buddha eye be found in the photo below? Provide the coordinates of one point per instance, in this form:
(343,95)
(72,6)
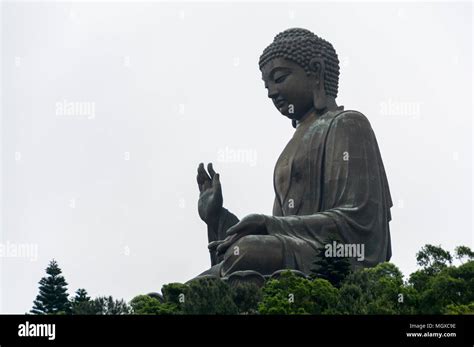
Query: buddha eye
(281,78)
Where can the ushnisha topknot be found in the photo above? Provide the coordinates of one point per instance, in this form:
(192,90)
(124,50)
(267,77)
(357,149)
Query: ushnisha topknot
(300,46)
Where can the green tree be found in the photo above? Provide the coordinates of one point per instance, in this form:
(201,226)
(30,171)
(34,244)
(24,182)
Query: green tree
(451,287)
(433,259)
(436,288)
(462,252)
(81,296)
(107,305)
(324,296)
(82,303)
(460,309)
(377,290)
(246,297)
(352,299)
(420,279)
(175,294)
(208,295)
(146,305)
(328,267)
(292,294)
(441,288)
(289,294)
(389,294)
(465,272)
(52,297)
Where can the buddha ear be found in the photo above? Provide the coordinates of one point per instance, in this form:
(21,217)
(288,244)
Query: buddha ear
(316,66)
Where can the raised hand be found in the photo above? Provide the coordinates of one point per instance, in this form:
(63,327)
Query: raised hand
(210,197)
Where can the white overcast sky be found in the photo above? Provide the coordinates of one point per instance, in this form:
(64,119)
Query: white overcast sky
(112,195)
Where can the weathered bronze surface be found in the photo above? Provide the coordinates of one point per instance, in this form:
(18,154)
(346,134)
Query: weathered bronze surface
(329,180)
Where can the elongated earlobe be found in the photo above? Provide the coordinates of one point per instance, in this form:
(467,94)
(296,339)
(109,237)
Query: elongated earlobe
(316,66)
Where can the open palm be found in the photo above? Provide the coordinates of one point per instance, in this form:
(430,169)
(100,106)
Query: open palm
(210,197)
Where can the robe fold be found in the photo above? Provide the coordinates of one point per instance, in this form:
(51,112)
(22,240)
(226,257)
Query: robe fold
(332,183)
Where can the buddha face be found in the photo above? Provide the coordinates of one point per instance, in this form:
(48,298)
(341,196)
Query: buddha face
(289,87)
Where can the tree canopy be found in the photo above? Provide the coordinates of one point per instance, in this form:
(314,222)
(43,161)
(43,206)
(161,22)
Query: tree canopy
(437,287)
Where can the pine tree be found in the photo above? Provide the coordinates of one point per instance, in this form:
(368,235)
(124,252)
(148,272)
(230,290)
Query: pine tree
(332,269)
(52,297)
(82,303)
(81,295)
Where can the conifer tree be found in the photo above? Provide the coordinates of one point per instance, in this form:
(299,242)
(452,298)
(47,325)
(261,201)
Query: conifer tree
(331,268)
(52,297)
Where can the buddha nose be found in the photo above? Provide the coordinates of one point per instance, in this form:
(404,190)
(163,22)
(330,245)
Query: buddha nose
(272,93)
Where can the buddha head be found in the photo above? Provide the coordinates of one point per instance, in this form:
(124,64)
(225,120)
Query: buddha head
(300,71)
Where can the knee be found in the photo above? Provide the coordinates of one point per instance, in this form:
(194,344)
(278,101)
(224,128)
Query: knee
(260,253)
(245,246)
(248,241)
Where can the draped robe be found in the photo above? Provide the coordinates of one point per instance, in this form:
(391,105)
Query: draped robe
(329,182)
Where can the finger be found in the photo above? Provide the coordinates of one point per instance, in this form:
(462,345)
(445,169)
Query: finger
(199,177)
(224,246)
(204,178)
(235,229)
(199,182)
(230,231)
(202,172)
(211,170)
(222,249)
(228,242)
(216,182)
(198,171)
(214,244)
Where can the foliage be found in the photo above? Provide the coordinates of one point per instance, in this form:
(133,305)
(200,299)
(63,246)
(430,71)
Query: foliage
(246,297)
(460,309)
(292,294)
(209,295)
(377,290)
(437,287)
(82,304)
(52,297)
(107,305)
(433,259)
(462,252)
(452,286)
(328,267)
(146,305)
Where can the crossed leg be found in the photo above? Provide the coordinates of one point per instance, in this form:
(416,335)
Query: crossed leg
(261,253)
